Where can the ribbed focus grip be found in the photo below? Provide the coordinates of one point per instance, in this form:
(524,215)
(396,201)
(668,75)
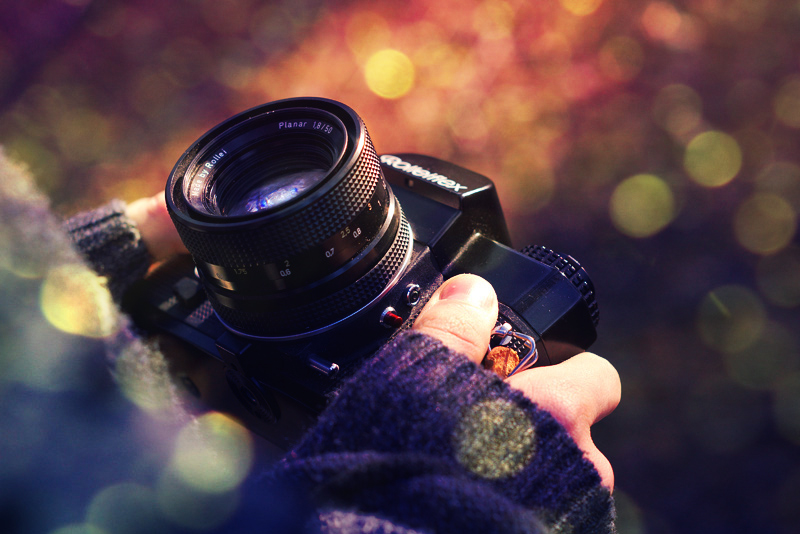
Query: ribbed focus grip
(571,269)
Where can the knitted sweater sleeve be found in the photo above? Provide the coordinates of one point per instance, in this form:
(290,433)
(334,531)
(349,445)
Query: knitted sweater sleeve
(111,244)
(423,438)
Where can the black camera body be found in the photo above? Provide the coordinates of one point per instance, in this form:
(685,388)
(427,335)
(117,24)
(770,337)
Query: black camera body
(451,222)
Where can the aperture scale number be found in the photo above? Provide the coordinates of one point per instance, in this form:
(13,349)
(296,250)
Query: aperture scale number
(323,126)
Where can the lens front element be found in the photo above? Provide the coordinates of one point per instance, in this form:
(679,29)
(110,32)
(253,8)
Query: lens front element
(264,162)
(275,191)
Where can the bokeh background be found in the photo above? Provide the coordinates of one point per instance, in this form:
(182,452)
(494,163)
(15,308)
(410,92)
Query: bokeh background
(656,141)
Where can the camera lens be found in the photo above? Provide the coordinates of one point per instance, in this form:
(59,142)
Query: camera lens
(289,220)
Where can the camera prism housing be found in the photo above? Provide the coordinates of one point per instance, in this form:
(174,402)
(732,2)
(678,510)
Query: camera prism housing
(366,240)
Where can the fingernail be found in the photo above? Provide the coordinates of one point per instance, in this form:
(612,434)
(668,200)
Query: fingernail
(471,289)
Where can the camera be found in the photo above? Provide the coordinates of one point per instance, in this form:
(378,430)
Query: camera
(309,252)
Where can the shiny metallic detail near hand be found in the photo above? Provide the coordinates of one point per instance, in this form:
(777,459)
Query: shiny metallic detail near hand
(504,335)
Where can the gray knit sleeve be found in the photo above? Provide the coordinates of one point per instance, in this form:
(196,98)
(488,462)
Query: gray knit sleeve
(112,245)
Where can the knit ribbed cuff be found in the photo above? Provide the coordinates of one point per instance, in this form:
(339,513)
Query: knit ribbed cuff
(418,397)
(112,245)
(440,403)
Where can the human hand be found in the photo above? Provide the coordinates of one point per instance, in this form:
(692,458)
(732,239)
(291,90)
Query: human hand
(155,226)
(578,392)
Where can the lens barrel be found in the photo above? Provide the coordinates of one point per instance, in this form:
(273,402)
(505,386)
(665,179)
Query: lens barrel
(288,218)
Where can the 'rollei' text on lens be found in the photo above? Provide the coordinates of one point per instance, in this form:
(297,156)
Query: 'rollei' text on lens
(216,157)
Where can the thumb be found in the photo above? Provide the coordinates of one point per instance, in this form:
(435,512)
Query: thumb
(461,314)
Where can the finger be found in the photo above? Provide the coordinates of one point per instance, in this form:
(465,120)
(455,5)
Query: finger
(580,390)
(461,314)
(577,392)
(601,463)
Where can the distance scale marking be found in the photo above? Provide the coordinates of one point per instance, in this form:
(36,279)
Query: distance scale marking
(316,262)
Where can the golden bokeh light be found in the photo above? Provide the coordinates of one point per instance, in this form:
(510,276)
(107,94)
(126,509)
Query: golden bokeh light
(183,61)
(149,90)
(713,159)
(678,109)
(41,160)
(778,279)
(741,15)
(389,73)
(765,223)
(787,102)
(494,439)
(642,205)
(444,65)
(731,319)
(76,300)
(366,31)
(24,262)
(761,366)
(421,108)
(83,134)
(213,454)
(467,119)
(191,508)
(781,178)
(621,58)
(50,364)
(531,185)
(126,508)
(630,518)
(581,7)
(145,381)
(551,53)
(494,19)
(661,21)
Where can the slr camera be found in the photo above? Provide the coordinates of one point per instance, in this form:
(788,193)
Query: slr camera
(309,252)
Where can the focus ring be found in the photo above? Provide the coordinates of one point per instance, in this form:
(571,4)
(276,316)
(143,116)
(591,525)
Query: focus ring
(307,227)
(327,310)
